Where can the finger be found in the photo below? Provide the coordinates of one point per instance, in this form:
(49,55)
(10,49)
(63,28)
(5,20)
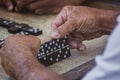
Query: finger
(63,30)
(41,11)
(76,43)
(36,5)
(21,4)
(46,10)
(72,44)
(8,4)
(60,19)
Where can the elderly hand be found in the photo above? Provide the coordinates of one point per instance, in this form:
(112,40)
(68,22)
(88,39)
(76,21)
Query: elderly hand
(51,6)
(18,56)
(83,23)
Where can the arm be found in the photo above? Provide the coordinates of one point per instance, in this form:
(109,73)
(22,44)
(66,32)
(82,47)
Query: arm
(108,67)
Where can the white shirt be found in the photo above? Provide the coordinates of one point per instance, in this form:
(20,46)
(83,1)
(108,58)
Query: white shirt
(108,64)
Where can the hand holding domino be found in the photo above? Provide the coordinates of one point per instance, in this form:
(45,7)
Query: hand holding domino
(52,51)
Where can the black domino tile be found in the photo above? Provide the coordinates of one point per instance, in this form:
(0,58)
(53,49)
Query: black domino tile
(14,30)
(23,33)
(30,30)
(7,23)
(24,25)
(34,31)
(1,42)
(54,51)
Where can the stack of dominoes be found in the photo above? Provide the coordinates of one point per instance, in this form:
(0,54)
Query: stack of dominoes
(54,51)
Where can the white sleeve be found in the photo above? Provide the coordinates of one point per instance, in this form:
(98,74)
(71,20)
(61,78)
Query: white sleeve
(108,64)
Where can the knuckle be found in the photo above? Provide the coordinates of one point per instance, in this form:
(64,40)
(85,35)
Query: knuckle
(35,39)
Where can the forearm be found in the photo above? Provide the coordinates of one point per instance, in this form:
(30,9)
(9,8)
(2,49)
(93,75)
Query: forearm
(108,20)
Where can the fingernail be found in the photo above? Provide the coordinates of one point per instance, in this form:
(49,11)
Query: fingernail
(55,34)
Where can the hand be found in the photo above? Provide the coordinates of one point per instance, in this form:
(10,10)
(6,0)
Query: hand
(16,5)
(83,23)
(8,3)
(15,52)
(51,6)
(18,56)
(21,4)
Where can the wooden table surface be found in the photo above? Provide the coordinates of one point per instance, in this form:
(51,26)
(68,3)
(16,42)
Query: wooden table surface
(43,22)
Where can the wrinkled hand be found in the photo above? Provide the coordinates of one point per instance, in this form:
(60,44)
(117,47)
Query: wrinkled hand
(18,56)
(51,6)
(82,23)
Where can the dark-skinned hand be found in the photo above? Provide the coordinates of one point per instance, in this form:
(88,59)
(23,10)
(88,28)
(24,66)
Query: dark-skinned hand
(51,6)
(39,6)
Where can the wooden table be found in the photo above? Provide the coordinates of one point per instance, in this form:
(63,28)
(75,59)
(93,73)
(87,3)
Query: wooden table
(79,62)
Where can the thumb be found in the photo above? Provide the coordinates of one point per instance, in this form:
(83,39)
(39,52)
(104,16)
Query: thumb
(64,29)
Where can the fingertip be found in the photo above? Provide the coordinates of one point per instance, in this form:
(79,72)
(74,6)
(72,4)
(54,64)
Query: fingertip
(55,34)
(81,47)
